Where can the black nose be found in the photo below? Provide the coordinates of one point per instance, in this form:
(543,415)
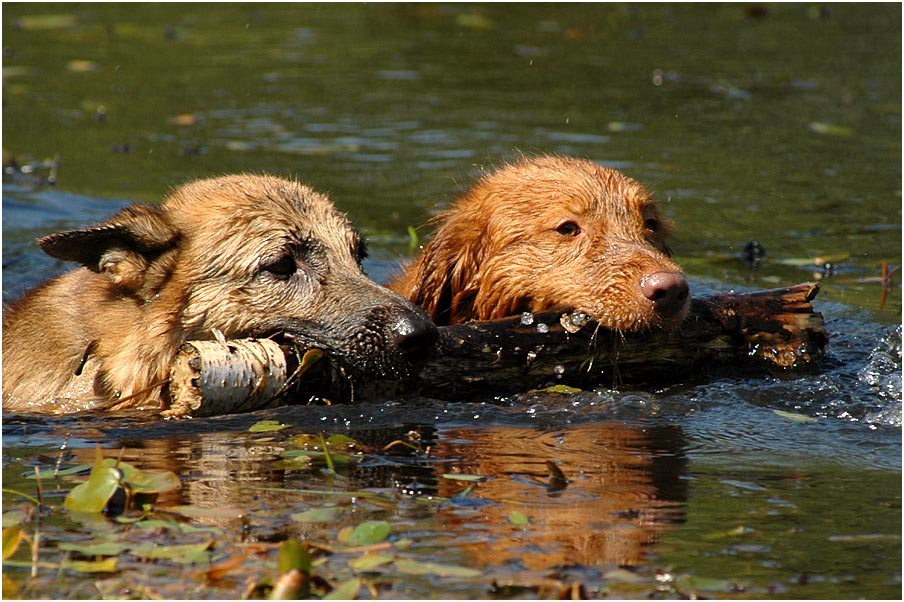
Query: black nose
(413,333)
(667,290)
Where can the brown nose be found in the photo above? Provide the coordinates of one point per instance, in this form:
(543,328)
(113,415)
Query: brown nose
(413,333)
(667,290)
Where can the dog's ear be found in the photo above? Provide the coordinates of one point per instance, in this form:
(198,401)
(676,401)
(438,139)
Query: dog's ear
(446,277)
(123,247)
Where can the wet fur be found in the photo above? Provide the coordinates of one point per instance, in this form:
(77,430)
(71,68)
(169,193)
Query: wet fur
(505,247)
(246,255)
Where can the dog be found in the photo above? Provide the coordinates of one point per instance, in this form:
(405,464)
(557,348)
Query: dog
(550,233)
(245,255)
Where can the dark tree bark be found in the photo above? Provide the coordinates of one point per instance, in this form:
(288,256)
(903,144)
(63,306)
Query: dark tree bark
(774,329)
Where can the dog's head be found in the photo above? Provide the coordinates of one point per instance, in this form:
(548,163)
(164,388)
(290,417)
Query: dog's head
(552,233)
(254,256)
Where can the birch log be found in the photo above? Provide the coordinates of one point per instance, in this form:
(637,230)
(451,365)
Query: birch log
(776,330)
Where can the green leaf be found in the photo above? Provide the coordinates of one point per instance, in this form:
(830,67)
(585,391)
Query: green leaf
(368,562)
(104,548)
(182,554)
(561,389)
(830,129)
(413,567)
(266,426)
(328,514)
(464,477)
(293,555)
(369,533)
(518,518)
(93,494)
(12,537)
(148,482)
(44,22)
(412,239)
(106,565)
(222,512)
(50,474)
(795,417)
(310,358)
(347,590)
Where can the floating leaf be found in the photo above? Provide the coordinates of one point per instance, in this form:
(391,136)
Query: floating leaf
(369,562)
(561,389)
(182,554)
(82,66)
(12,537)
(367,533)
(518,518)
(43,22)
(794,416)
(104,548)
(413,567)
(347,590)
(93,494)
(265,426)
(106,565)
(139,481)
(464,477)
(328,514)
(221,512)
(830,129)
(51,475)
(474,20)
(15,517)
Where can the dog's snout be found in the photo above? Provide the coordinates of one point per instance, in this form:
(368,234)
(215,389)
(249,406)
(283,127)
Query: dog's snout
(412,332)
(667,290)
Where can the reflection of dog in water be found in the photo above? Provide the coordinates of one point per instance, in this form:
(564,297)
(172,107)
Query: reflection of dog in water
(245,255)
(624,486)
(550,233)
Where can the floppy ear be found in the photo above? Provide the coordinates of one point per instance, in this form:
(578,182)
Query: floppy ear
(445,277)
(123,247)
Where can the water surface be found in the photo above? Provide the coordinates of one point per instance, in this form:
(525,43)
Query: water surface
(779,124)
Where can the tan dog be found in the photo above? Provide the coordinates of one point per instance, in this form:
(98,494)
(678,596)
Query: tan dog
(247,255)
(550,233)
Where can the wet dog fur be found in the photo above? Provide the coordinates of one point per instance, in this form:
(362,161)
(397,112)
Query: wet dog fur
(550,233)
(247,255)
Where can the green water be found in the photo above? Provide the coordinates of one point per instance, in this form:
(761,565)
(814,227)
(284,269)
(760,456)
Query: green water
(778,123)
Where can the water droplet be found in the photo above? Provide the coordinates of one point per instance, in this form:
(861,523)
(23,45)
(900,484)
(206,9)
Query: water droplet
(527,318)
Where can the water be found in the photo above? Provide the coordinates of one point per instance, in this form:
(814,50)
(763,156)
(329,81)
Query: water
(781,127)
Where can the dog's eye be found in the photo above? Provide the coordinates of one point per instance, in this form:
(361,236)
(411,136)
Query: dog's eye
(281,267)
(569,229)
(651,225)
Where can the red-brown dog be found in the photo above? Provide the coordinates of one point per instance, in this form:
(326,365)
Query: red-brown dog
(550,233)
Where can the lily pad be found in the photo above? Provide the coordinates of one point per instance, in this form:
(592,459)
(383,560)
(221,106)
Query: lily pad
(367,533)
